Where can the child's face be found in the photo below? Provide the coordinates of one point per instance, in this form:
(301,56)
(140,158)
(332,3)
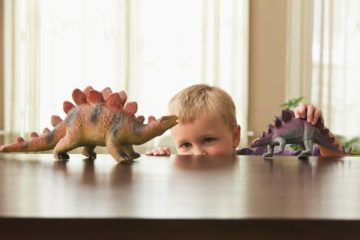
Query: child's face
(205,136)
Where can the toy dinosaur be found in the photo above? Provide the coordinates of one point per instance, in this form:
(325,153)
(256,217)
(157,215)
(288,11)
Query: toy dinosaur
(98,119)
(291,130)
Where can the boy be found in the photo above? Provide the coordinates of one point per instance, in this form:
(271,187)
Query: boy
(207,123)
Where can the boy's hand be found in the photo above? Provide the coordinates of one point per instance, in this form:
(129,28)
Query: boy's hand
(309,112)
(161,151)
(312,114)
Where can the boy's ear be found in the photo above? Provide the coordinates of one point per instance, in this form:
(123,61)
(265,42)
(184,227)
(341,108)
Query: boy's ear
(236,136)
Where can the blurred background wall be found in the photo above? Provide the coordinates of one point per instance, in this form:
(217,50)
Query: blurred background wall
(267,55)
(1,71)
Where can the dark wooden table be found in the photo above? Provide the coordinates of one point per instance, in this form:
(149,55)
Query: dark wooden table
(179,197)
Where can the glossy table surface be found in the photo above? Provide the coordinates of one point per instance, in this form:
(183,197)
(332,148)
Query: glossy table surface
(32,186)
(180,187)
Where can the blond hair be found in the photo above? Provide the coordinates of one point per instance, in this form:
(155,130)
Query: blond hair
(203,100)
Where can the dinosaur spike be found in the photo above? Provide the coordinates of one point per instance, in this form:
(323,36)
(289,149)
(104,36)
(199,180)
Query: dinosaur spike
(263,134)
(270,130)
(331,139)
(140,119)
(95,97)
(278,122)
(55,120)
(122,96)
(131,108)
(20,140)
(67,106)
(79,97)
(319,124)
(324,131)
(34,135)
(286,115)
(87,90)
(106,92)
(114,101)
(46,130)
(151,119)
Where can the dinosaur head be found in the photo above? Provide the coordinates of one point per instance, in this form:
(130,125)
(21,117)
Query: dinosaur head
(162,124)
(261,141)
(155,127)
(168,122)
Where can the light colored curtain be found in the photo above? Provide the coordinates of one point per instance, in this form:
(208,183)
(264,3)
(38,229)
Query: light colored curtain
(21,66)
(299,49)
(325,50)
(150,49)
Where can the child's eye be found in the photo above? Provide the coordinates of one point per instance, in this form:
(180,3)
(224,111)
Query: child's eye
(185,145)
(209,140)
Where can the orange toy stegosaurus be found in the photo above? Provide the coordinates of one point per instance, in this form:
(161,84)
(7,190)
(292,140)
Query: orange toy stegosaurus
(98,119)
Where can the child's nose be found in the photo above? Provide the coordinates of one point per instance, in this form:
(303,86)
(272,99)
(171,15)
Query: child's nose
(198,151)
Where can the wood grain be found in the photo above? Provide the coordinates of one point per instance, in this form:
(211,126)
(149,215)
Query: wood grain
(283,197)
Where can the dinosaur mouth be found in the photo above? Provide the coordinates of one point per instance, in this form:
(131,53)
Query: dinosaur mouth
(167,122)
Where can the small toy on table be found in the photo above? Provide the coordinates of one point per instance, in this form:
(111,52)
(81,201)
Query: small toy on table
(291,130)
(98,119)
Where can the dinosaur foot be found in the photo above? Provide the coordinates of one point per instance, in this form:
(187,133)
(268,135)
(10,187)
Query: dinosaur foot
(267,155)
(129,159)
(304,155)
(91,156)
(131,156)
(89,153)
(63,156)
(135,155)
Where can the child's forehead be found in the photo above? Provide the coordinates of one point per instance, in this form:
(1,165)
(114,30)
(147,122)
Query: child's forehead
(202,116)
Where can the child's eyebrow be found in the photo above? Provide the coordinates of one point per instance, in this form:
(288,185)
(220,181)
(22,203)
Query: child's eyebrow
(209,134)
(182,141)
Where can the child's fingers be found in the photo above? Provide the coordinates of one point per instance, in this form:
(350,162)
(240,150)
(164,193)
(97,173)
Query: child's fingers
(310,113)
(313,115)
(163,151)
(167,151)
(317,117)
(300,111)
(149,153)
(158,152)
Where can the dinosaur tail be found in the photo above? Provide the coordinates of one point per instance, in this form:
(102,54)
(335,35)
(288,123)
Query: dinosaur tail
(324,139)
(46,141)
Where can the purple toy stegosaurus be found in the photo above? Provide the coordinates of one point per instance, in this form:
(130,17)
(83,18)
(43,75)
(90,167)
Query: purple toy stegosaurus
(291,130)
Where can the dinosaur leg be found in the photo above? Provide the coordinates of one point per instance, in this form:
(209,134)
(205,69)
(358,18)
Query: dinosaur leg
(113,150)
(63,146)
(129,151)
(302,146)
(282,143)
(270,151)
(89,152)
(308,148)
(117,152)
